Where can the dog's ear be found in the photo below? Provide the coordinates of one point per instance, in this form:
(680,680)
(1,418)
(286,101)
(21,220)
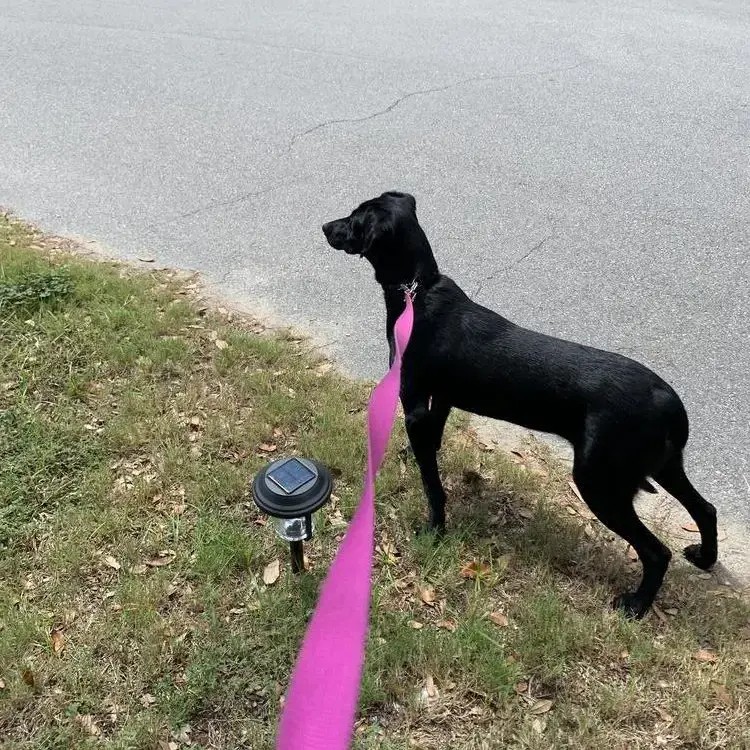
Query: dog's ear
(405,198)
(378,228)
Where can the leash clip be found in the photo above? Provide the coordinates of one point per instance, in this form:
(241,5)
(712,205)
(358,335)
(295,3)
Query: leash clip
(410,289)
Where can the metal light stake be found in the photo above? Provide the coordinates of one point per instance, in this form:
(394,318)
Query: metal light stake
(290,490)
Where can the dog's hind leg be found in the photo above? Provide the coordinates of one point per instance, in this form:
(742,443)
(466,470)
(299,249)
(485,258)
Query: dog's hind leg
(674,480)
(424,426)
(612,503)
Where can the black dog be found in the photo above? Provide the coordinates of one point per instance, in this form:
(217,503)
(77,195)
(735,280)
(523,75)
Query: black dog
(624,422)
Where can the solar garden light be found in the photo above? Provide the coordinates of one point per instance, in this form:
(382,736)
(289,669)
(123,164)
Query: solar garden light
(290,490)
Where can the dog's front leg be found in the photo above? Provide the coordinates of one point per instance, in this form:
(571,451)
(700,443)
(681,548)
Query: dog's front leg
(425,430)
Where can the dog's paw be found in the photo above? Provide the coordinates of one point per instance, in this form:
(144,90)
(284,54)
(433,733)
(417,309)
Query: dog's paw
(630,605)
(694,553)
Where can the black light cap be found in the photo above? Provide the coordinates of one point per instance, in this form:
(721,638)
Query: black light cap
(292,487)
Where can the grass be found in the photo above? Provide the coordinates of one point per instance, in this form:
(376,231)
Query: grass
(133,612)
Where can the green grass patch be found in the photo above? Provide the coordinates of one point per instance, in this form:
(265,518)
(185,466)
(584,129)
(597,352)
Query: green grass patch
(133,611)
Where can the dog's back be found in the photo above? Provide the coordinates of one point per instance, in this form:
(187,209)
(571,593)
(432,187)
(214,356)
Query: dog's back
(485,364)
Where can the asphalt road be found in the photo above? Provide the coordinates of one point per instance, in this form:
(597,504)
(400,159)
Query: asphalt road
(579,165)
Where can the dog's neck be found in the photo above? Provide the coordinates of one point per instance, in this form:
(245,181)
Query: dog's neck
(417,273)
(416,267)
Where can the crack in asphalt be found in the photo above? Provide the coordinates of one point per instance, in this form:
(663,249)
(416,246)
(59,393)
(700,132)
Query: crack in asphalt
(514,263)
(296,137)
(227,202)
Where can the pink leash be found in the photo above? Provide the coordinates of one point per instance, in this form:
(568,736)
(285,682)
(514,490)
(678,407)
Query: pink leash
(322,700)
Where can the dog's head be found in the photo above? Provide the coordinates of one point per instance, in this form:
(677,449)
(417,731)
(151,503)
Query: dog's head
(384,230)
(371,225)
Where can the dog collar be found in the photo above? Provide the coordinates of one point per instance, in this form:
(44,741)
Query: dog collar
(410,289)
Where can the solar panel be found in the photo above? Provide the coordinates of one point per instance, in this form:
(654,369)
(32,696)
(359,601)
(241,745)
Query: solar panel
(291,475)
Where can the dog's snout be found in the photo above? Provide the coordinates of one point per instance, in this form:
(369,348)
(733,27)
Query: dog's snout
(333,230)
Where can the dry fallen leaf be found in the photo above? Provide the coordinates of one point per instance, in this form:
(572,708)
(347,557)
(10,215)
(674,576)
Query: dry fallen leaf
(271,572)
(221,344)
(541,706)
(671,611)
(521,687)
(111,562)
(668,718)
(526,513)
(474,569)
(323,368)
(58,642)
(659,613)
(575,490)
(147,700)
(87,723)
(28,677)
(449,625)
(704,654)
(722,694)
(499,619)
(164,558)
(182,735)
(486,445)
(2,684)
(539,725)
(337,520)
(268,447)
(690,527)
(387,552)
(416,624)
(139,570)
(432,691)
(427,595)
(146,260)
(172,589)
(429,694)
